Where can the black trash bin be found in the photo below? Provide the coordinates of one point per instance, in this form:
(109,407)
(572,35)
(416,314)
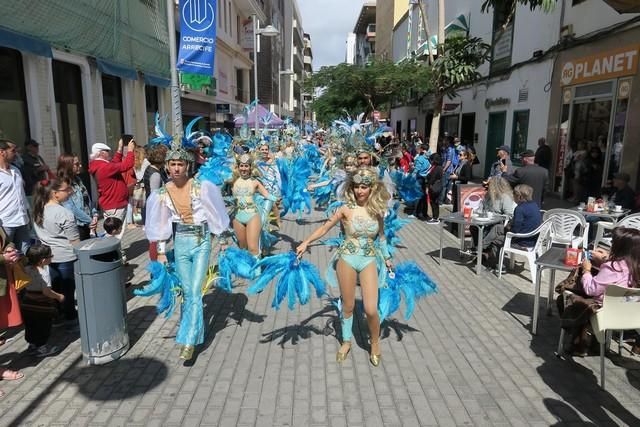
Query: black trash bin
(102,307)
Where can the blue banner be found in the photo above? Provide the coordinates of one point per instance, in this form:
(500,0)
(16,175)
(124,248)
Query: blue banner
(197,36)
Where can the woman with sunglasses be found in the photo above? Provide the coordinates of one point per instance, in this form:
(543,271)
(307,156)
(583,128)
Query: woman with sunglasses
(362,254)
(56,227)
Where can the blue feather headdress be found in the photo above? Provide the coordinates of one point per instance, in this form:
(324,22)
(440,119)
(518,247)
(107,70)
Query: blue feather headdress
(296,278)
(162,137)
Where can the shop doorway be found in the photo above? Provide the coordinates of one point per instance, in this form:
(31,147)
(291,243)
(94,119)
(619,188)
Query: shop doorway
(467,129)
(495,138)
(67,88)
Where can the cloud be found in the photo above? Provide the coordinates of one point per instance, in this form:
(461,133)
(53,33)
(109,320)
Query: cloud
(328,22)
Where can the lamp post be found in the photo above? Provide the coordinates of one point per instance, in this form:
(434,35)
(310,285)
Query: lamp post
(281,73)
(268,31)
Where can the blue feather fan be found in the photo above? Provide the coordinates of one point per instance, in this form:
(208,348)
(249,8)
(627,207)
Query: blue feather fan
(410,283)
(392,226)
(407,186)
(164,282)
(294,281)
(234,261)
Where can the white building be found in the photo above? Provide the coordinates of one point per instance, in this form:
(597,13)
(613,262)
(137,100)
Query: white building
(350,57)
(519,98)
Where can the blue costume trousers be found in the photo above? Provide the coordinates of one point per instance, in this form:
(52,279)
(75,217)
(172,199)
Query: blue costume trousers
(192,251)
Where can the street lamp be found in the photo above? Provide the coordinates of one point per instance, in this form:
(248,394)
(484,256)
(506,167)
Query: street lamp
(268,31)
(281,73)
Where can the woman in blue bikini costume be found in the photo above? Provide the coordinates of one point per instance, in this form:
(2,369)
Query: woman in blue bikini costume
(246,221)
(363,254)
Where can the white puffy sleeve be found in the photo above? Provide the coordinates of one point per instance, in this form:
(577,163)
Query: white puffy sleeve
(214,208)
(158,225)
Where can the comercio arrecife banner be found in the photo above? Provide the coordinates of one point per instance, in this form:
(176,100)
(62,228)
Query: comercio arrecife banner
(197,36)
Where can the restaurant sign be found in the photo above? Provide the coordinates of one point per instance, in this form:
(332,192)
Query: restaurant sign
(608,65)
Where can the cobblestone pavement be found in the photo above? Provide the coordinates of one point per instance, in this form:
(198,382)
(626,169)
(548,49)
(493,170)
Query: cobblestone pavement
(465,358)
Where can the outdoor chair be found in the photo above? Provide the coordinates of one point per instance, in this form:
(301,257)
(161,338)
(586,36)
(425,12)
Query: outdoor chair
(564,225)
(620,311)
(630,221)
(542,245)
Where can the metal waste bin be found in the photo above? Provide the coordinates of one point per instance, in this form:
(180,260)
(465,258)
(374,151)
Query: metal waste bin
(102,306)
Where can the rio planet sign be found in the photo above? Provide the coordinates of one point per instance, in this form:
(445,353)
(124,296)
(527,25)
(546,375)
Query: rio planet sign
(608,65)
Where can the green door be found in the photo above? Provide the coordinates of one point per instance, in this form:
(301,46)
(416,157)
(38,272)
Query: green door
(495,138)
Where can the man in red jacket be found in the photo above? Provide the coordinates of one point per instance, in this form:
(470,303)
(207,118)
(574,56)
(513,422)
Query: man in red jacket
(113,195)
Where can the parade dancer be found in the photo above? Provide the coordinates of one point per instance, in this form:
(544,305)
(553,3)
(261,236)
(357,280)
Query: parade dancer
(197,211)
(363,254)
(247,222)
(270,178)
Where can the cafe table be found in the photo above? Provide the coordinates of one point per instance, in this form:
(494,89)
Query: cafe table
(609,214)
(553,260)
(475,219)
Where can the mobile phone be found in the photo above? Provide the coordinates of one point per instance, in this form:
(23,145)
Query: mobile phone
(126,138)
(503,161)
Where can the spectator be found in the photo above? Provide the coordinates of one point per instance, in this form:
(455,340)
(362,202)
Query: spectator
(133,179)
(79,202)
(526,218)
(578,171)
(113,195)
(543,154)
(34,169)
(38,302)
(14,210)
(621,193)
(450,163)
(530,174)
(592,176)
(435,186)
(460,175)
(499,200)
(620,267)
(503,160)
(56,227)
(112,226)
(421,167)
(10,315)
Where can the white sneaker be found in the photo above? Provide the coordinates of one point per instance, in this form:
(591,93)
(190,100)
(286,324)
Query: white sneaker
(46,350)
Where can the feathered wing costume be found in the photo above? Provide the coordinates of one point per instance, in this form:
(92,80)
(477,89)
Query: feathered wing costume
(407,282)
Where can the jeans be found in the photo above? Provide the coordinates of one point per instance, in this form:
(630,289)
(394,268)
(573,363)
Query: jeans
(192,251)
(21,236)
(63,281)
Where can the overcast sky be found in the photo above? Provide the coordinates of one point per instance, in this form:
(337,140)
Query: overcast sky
(328,22)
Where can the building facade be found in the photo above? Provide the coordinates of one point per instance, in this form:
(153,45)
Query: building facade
(365,34)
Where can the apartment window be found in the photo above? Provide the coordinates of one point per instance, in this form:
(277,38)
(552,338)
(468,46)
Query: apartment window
(219,23)
(230,21)
(519,134)
(152,106)
(113,116)
(238,28)
(14,119)
(239,85)
(224,16)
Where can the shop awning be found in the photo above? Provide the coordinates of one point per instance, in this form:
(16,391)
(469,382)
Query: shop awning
(116,70)
(459,25)
(624,6)
(24,43)
(151,80)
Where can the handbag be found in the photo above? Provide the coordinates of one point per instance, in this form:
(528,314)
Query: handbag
(20,277)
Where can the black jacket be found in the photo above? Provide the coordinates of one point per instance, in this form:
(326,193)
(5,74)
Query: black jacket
(534,176)
(434,179)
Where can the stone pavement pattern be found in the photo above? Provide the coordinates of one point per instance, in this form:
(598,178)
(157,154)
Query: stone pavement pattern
(465,358)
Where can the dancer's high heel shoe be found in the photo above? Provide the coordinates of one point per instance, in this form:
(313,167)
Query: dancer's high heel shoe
(341,357)
(187,352)
(375,359)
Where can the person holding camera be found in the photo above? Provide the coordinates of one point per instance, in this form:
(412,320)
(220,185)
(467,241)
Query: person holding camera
(113,194)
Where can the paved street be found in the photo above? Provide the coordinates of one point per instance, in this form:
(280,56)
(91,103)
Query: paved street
(465,358)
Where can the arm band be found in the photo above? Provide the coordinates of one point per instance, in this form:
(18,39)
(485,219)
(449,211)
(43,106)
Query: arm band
(162,248)
(384,249)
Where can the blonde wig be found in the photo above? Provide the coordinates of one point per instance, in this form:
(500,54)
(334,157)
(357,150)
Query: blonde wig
(378,197)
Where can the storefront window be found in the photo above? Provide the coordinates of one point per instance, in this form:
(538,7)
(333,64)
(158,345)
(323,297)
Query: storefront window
(519,134)
(615,158)
(152,107)
(14,123)
(113,117)
(450,125)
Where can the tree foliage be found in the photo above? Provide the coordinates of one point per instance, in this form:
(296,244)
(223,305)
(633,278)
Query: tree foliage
(545,5)
(458,66)
(354,89)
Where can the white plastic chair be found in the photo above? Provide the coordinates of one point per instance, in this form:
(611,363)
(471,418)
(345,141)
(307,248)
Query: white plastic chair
(629,221)
(542,245)
(565,222)
(620,311)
